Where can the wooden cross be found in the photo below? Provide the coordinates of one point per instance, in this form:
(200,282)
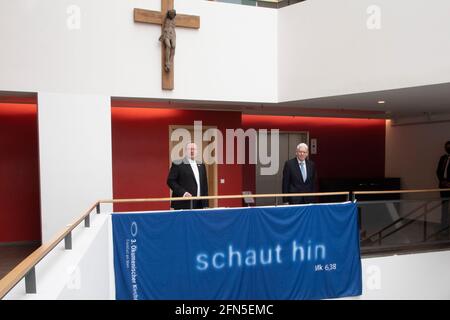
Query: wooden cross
(157,17)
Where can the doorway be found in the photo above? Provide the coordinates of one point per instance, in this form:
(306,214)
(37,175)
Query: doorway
(211,168)
(20,217)
(271,184)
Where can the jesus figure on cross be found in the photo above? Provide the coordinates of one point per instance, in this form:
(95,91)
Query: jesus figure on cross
(168,38)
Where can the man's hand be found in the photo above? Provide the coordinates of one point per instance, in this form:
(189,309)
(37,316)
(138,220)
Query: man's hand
(187,194)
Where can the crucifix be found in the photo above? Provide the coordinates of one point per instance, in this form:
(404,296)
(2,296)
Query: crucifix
(159,17)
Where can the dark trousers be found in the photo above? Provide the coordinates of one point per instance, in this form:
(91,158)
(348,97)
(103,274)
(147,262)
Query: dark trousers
(196,204)
(301,200)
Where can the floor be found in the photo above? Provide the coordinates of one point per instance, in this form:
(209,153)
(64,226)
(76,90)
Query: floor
(12,255)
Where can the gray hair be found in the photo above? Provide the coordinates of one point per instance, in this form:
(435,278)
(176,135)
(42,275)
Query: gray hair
(304,145)
(190,144)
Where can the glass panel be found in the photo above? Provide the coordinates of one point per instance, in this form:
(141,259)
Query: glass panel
(403,222)
(263,3)
(244,2)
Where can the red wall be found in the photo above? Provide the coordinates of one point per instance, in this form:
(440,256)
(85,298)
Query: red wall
(19,174)
(347,148)
(140,151)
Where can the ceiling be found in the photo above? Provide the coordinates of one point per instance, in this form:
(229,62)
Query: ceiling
(18,97)
(398,103)
(426,102)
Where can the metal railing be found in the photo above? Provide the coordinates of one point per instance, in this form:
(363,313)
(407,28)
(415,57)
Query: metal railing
(26,269)
(405,220)
(356,193)
(275,4)
(276,196)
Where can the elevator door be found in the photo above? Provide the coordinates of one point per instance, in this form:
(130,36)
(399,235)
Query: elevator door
(271,184)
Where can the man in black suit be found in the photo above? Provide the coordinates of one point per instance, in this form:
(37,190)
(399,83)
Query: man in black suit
(443,174)
(299,176)
(187,178)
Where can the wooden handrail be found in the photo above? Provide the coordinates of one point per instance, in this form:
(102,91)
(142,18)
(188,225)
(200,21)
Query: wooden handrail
(20,271)
(400,191)
(278,195)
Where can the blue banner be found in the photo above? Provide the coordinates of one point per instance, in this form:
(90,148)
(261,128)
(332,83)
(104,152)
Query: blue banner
(258,253)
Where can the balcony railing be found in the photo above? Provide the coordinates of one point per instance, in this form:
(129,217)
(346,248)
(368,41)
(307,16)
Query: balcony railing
(276,4)
(402,225)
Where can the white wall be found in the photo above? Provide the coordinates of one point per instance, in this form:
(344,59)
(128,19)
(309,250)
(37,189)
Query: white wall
(414,276)
(325,47)
(413,152)
(232,57)
(240,53)
(74,156)
(319,47)
(95,269)
(81,273)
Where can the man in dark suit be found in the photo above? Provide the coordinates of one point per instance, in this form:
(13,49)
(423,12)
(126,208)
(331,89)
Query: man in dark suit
(299,176)
(187,178)
(443,174)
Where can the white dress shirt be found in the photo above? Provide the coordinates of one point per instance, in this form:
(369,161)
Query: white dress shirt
(196,174)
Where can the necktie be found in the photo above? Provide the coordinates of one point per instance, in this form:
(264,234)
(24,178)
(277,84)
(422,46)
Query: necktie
(303,170)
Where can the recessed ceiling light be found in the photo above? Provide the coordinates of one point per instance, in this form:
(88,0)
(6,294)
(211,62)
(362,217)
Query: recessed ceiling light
(381,101)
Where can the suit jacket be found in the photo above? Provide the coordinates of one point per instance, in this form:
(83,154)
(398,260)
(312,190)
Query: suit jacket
(293,181)
(181,179)
(440,172)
